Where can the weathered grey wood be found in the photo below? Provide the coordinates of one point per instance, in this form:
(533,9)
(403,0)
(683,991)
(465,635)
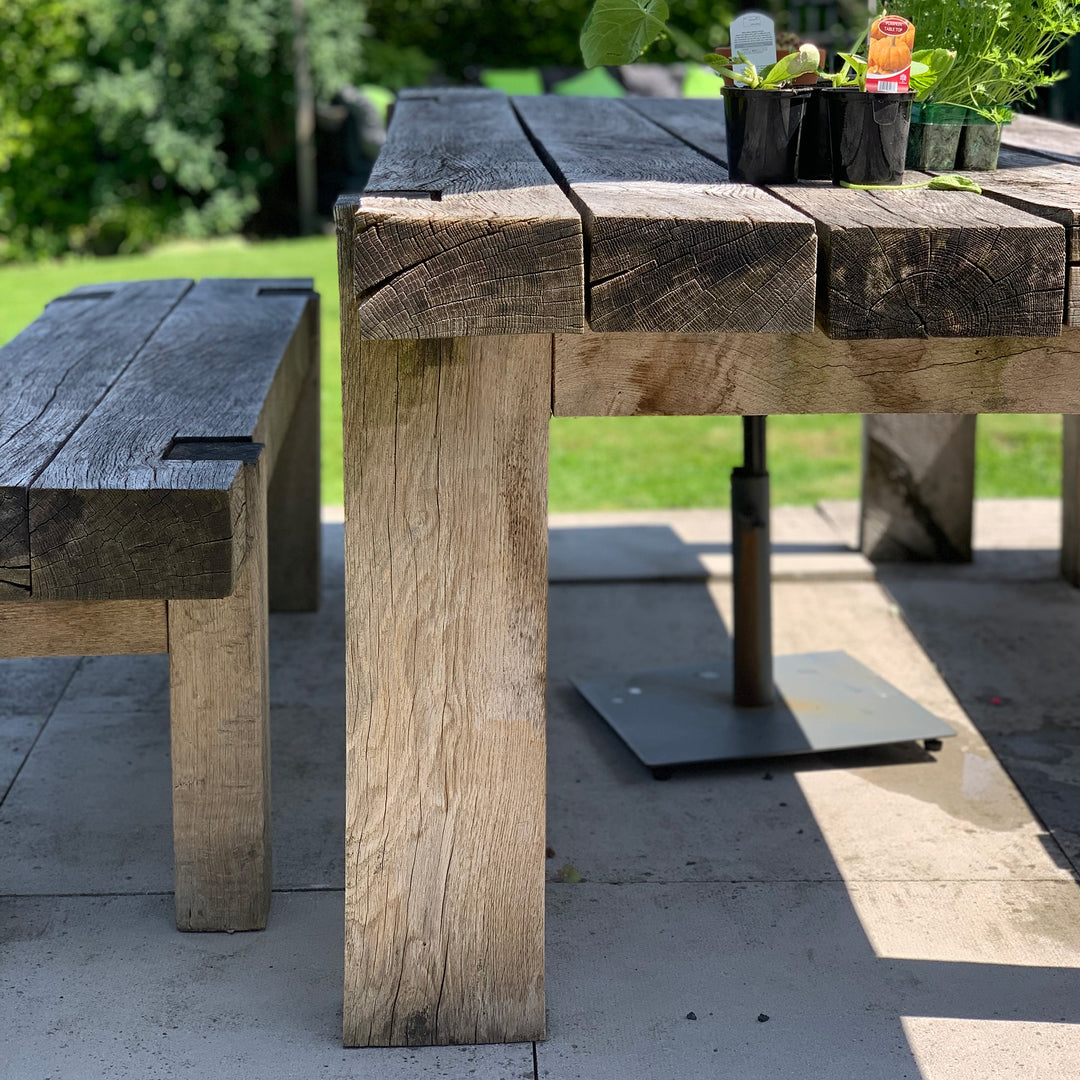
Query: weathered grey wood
(52,375)
(219,715)
(295,499)
(756,374)
(461,229)
(82,628)
(913,263)
(112,517)
(673,245)
(1051,138)
(918,488)
(1044,188)
(445,481)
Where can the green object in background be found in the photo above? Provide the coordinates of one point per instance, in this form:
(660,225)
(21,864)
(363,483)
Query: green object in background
(523,81)
(701,82)
(596,83)
(380,97)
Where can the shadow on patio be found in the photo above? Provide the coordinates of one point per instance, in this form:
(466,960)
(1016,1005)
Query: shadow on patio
(895,914)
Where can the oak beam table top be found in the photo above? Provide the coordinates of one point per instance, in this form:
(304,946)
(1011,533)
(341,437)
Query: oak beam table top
(512,259)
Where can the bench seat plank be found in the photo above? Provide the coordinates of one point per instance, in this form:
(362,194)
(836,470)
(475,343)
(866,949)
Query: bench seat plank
(51,377)
(674,246)
(907,264)
(113,516)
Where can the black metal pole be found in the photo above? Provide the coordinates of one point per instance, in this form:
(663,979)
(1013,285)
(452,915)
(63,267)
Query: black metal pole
(753,661)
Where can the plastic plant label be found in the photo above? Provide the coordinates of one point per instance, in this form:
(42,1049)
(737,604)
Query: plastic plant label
(889,63)
(754,35)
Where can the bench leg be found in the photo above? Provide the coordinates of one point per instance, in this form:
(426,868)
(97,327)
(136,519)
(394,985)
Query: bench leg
(446,607)
(219,679)
(293,506)
(918,488)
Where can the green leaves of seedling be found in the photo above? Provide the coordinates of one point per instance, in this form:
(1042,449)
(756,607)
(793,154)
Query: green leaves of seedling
(785,71)
(954,183)
(928,66)
(789,68)
(619,31)
(939,183)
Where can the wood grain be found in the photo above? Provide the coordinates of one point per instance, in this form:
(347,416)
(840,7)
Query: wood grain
(913,263)
(111,517)
(445,481)
(673,245)
(220,722)
(461,230)
(918,488)
(1050,138)
(757,374)
(52,375)
(82,628)
(1044,188)
(294,499)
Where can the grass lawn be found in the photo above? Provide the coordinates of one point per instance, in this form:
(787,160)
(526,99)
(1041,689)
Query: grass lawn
(596,464)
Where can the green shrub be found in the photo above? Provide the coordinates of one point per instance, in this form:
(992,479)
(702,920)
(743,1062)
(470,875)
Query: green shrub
(126,121)
(46,148)
(512,33)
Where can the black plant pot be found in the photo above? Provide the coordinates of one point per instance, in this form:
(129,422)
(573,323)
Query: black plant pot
(869,136)
(763,128)
(815,152)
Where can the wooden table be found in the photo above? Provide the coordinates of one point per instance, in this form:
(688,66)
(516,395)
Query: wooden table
(511,261)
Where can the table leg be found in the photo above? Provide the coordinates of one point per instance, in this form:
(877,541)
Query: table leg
(918,488)
(446,600)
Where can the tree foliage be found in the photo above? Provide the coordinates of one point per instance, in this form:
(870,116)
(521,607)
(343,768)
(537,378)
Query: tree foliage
(124,121)
(516,33)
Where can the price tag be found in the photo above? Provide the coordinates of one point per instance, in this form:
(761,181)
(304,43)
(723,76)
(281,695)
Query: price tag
(754,35)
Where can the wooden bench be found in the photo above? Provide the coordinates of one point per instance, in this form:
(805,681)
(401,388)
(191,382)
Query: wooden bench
(159,489)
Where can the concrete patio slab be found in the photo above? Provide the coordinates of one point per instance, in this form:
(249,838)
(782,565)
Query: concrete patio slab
(954,814)
(693,545)
(29,691)
(797,981)
(895,913)
(1013,539)
(1009,654)
(106,987)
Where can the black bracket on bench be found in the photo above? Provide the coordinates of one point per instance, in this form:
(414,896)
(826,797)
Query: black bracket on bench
(213,449)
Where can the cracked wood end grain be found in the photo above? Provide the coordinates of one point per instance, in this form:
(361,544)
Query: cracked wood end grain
(913,263)
(495,248)
(673,245)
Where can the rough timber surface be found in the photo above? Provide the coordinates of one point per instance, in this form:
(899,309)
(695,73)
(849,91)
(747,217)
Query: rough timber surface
(673,245)
(51,377)
(913,263)
(446,603)
(1051,138)
(461,230)
(1047,189)
(756,374)
(112,517)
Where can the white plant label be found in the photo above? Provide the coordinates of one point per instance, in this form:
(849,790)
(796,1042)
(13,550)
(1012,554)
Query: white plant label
(754,35)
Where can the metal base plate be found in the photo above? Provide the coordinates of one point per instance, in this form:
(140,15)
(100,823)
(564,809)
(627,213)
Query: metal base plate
(824,701)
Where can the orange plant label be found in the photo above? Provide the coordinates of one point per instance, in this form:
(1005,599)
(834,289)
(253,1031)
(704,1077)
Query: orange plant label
(889,69)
